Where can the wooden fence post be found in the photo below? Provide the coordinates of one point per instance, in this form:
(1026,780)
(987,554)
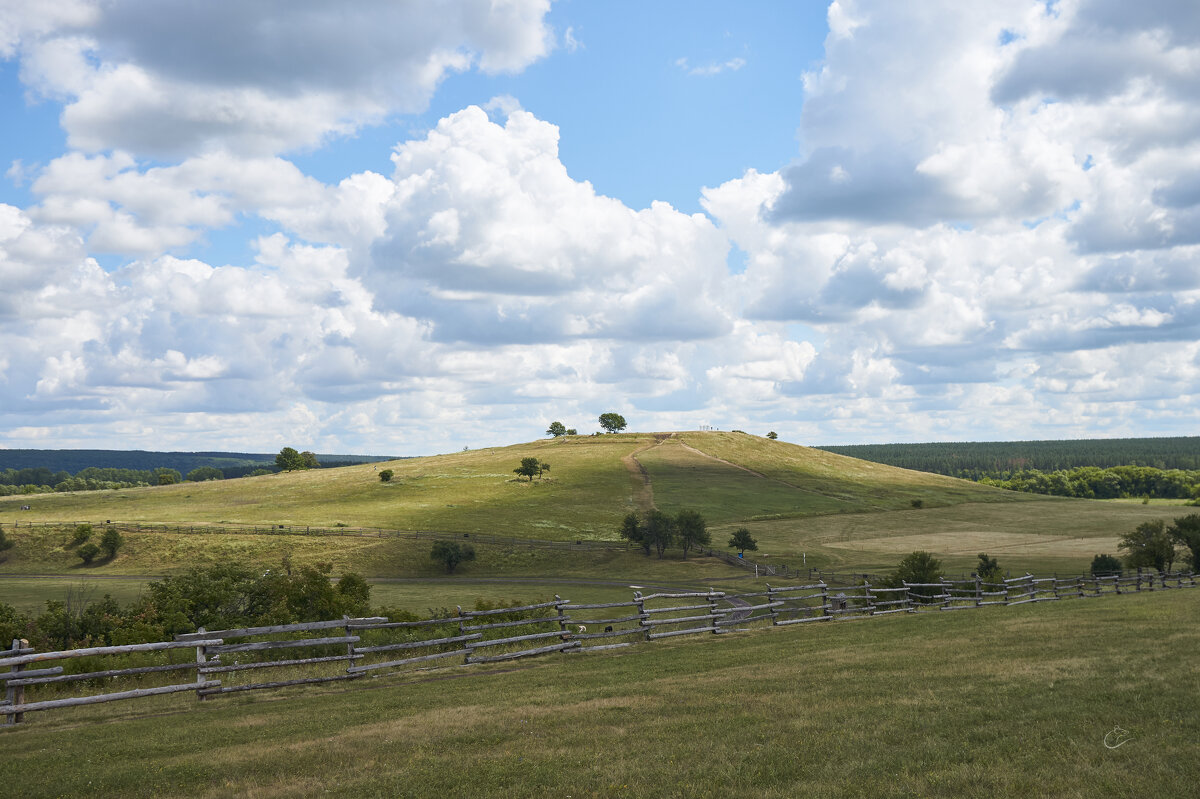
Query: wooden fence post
(465,644)
(201,659)
(978,590)
(712,608)
(16,696)
(771,606)
(825,609)
(947,593)
(869,598)
(1054,585)
(562,619)
(642,619)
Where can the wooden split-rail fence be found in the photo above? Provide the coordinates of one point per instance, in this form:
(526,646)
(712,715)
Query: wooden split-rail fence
(213,663)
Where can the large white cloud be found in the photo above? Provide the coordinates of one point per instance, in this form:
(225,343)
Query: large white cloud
(169,77)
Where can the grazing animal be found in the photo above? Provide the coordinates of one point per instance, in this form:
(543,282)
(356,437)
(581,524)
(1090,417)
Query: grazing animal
(24,507)
(583,628)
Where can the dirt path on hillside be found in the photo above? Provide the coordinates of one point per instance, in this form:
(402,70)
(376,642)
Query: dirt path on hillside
(756,474)
(643,492)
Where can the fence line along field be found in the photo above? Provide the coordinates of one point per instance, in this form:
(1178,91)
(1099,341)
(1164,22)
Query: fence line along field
(358,646)
(1029,693)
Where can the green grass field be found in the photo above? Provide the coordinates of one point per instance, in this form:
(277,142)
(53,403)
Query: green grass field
(997,702)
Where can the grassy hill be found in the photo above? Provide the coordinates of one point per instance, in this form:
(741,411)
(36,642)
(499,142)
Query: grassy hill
(806,507)
(593,482)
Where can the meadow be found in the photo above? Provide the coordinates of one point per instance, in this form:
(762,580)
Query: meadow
(1001,702)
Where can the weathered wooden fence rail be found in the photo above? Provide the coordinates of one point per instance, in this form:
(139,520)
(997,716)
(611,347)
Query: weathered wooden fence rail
(303,654)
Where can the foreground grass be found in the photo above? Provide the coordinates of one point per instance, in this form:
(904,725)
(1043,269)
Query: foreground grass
(999,702)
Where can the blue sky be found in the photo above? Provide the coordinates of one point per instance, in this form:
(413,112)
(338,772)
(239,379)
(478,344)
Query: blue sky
(407,228)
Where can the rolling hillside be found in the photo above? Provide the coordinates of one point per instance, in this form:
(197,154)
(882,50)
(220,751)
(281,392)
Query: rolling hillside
(593,482)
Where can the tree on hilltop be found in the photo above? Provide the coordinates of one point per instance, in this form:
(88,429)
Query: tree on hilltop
(612,422)
(556,429)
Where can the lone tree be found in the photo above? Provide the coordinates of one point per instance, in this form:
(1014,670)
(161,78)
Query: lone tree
(556,429)
(531,468)
(1149,545)
(772,435)
(741,541)
(451,553)
(1186,530)
(289,460)
(691,530)
(386,476)
(612,422)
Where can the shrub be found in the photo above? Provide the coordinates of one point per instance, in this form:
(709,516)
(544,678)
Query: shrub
(917,567)
(386,476)
(4,542)
(1106,566)
(82,533)
(88,552)
(111,542)
(918,503)
(451,553)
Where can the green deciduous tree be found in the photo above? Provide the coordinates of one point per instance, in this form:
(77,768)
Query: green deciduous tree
(772,435)
(556,429)
(289,460)
(612,422)
(386,476)
(4,542)
(309,460)
(741,541)
(531,468)
(1149,546)
(1186,531)
(631,530)
(167,477)
(110,542)
(451,553)
(691,530)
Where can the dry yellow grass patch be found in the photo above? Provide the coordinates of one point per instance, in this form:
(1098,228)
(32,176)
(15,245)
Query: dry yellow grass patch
(970,543)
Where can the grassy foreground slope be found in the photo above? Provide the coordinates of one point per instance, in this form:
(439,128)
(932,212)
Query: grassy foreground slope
(593,482)
(998,702)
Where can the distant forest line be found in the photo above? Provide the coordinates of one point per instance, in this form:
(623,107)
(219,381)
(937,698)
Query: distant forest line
(25,471)
(1166,468)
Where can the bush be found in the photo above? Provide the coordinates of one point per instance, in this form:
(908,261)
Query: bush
(451,553)
(82,533)
(917,567)
(4,542)
(918,503)
(111,542)
(386,475)
(88,552)
(1106,566)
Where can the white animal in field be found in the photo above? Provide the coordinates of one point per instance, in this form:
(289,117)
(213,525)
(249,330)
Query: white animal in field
(583,628)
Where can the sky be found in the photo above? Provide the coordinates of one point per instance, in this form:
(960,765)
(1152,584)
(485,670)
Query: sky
(405,228)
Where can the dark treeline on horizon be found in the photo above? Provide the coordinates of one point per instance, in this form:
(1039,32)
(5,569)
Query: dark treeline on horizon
(975,460)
